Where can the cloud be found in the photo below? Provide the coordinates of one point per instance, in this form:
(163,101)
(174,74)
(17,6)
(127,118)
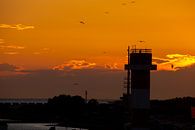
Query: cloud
(11,53)
(75,64)
(42,51)
(169,84)
(174,62)
(1,41)
(11,47)
(176,56)
(46,49)
(19,27)
(112,67)
(159,60)
(48,83)
(100,83)
(36,53)
(8,67)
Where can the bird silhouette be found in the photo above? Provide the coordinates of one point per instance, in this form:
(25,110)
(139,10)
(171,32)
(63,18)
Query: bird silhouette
(132,2)
(124,3)
(106,12)
(141,41)
(82,22)
(104,52)
(172,66)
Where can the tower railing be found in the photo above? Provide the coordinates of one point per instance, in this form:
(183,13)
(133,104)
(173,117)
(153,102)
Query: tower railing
(141,51)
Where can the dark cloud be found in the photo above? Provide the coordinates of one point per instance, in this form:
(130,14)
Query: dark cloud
(169,84)
(8,67)
(160,60)
(111,66)
(100,83)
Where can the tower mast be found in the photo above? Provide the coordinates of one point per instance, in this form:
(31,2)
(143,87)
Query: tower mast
(128,74)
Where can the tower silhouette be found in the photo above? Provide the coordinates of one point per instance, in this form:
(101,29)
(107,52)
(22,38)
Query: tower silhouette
(138,86)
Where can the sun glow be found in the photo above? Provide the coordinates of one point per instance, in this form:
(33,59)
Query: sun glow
(175,62)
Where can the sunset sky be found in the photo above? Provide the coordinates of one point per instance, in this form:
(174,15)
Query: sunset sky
(46,46)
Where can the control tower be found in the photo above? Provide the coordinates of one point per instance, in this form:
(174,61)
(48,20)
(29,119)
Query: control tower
(138,86)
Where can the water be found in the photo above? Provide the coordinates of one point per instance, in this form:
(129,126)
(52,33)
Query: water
(36,126)
(26,101)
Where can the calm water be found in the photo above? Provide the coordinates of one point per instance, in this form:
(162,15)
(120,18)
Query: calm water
(35,126)
(19,101)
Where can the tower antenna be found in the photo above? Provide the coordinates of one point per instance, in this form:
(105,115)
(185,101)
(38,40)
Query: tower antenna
(128,74)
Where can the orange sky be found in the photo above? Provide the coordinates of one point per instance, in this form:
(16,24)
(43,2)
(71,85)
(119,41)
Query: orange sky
(51,33)
(38,35)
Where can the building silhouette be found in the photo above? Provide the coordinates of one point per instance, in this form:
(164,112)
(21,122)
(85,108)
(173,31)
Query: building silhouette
(138,86)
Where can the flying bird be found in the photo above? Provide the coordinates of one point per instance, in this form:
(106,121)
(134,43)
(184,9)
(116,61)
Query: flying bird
(172,66)
(141,41)
(104,52)
(106,12)
(82,22)
(124,3)
(132,2)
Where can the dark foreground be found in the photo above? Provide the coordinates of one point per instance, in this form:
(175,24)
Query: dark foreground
(74,111)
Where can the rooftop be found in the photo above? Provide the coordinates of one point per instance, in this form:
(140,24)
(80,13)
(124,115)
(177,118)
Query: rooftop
(141,51)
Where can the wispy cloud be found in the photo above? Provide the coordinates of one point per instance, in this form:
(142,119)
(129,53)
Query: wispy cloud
(159,60)
(8,67)
(112,66)
(36,53)
(45,49)
(75,64)
(42,51)
(19,27)
(1,41)
(11,47)
(174,62)
(7,70)
(11,53)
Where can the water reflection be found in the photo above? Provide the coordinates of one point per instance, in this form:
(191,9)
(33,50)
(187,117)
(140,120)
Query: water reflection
(36,126)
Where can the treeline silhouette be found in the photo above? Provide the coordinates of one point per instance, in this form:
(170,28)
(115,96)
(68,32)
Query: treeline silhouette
(68,111)
(177,109)
(74,111)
